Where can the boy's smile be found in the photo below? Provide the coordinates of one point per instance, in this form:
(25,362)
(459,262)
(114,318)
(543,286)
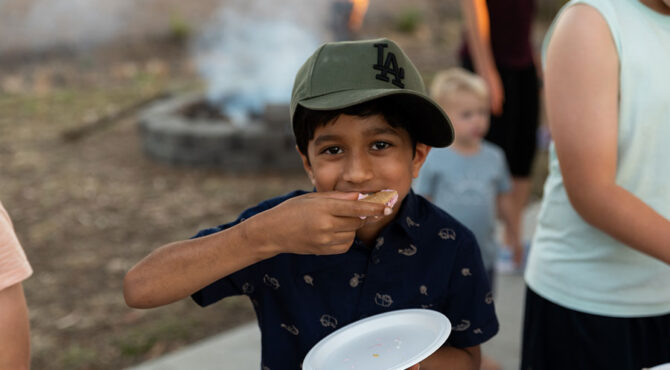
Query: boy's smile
(363,154)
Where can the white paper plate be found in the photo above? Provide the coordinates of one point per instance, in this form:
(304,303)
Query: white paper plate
(393,340)
(661,367)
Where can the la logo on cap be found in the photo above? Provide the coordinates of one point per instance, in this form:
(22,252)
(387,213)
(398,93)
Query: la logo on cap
(388,66)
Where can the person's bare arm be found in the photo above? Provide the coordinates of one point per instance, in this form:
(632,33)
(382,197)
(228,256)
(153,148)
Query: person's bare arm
(316,223)
(476,18)
(14,329)
(468,358)
(581,86)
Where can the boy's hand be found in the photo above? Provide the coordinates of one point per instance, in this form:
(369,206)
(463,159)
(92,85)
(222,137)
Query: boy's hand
(315,223)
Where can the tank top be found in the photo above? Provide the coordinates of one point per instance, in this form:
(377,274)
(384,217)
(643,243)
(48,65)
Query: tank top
(574,264)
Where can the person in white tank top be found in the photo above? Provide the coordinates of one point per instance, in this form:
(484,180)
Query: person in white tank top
(598,273)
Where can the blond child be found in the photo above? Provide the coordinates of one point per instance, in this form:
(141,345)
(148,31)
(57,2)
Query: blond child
(470,179)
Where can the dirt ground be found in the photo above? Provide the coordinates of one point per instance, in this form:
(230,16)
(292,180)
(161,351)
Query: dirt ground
(87,210)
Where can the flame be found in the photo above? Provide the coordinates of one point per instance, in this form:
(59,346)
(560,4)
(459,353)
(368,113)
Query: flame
(360,7)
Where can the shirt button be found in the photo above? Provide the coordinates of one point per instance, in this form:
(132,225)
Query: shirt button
(375,260)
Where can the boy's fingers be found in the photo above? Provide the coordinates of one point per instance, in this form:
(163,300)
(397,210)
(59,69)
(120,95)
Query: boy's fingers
(373,219)
(344,237)
(351,208)
(342,241)
(340,195)
(346,204)
(346,224)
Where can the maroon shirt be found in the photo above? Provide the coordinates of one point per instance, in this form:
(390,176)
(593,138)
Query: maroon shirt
(511,22)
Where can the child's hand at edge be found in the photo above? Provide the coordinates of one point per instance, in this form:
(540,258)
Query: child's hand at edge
(513,243)
(316,223)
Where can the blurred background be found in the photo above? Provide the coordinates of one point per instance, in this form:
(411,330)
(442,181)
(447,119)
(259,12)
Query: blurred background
(93,181)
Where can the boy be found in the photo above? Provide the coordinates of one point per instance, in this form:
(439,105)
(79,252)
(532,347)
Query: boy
(313,262)
(470,179)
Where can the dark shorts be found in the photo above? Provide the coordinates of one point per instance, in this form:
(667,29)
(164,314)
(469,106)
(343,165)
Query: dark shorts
(555,337)
(515,131)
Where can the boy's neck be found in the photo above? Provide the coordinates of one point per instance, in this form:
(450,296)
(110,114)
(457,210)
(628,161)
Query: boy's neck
(470,148)
(368,234)
(367,238)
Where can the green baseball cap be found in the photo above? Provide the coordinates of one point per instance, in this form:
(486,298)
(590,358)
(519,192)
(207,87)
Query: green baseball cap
(342,74)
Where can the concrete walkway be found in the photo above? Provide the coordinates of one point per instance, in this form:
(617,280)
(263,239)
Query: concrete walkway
(239,349)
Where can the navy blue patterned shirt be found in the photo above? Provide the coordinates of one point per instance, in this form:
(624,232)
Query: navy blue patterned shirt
(424,258)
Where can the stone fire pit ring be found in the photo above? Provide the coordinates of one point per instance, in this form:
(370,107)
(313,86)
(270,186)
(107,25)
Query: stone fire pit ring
(263,143)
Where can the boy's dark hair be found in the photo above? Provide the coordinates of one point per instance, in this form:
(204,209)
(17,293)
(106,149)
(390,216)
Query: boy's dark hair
(392,108)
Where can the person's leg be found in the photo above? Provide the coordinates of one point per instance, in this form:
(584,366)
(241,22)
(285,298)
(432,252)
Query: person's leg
(524,99)
(519,193)
(515,132)
(508,132)
(523,140)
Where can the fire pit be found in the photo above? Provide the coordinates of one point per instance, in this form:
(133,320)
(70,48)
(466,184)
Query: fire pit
(233,126)
(186,130)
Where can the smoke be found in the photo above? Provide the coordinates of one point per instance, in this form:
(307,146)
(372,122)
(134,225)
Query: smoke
(41,24)
(250,52)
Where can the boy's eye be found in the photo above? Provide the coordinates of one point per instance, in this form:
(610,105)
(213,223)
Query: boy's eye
(380,145)
(332,150)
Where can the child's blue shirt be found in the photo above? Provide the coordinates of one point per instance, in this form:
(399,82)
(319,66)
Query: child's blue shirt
(423,259)
(468,186)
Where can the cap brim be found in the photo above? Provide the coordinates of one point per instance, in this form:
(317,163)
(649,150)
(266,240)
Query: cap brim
(432,125)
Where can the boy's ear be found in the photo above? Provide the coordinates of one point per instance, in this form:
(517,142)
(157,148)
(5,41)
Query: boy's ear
(420,155)
(306,165)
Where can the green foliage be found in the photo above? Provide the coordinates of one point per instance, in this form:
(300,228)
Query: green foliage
(141,339)
(76,356)
(409,20)
(180,30)
(547,9)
